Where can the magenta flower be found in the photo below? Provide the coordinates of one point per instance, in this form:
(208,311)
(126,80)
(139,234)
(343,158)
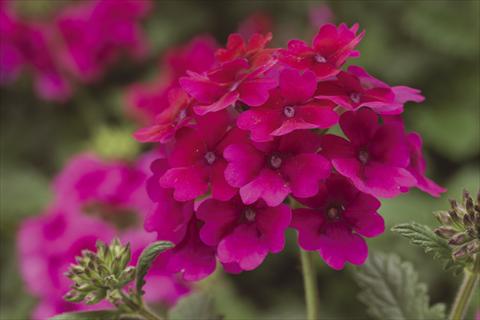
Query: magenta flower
(96,33)
(232,81)
(253,50)
(375,157)
(197,163)
(244,234)
(356,88)
(27,46)
(272,170)
(175,221)
(331,47)
(335,221)
(176,116)
(417,166)
(291,107)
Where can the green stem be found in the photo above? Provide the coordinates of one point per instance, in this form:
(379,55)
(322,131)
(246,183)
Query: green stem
(466,290)
(310,284)
(141,309)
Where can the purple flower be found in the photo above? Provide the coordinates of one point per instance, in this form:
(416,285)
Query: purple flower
(245,234)
(375,157)
(272,170)
(335,220)
(291,107)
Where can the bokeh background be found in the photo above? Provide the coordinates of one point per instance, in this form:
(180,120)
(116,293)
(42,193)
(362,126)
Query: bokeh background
(431,44)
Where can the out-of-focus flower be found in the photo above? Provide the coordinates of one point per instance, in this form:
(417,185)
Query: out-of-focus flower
(331,47)
(258,22)
(96,33)
(320,15)
(94,200)
(335,221)
(244,234)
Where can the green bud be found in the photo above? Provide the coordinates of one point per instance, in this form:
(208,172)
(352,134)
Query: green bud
(473,247)
(443,217)
(125,257)
(74,296)
(460,253)
(95,296)
(458,239)
(445,232)
(127,275)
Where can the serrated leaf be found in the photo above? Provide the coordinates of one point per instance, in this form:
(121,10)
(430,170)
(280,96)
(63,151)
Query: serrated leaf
(391,290)
(197,306)
(89,315)
(149,254)
(424,237)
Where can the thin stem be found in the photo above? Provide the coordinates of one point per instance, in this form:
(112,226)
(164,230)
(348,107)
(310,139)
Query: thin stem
(466,290)
(141,309)
(310,284)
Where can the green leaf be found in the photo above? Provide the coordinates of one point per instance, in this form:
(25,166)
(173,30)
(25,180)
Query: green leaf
(391,290)
(89,315)
(424,237)
(197,306)
(149,254)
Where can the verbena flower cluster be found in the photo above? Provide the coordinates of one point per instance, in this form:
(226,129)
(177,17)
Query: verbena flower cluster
(247,153)
(93,200)
(77,44)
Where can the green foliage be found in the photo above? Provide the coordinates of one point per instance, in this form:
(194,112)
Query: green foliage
(424,237)
(89,315)
(145,261)
(197,306)
(391,290)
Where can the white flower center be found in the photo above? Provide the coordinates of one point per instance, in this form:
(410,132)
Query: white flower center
(210,157)
(355,97)
(289,111)
(275,161)
(250,214)
(333,213)
(320,59)
(363,156)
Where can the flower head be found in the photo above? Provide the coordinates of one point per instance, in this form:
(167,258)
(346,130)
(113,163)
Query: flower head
(335,221)
(331,47)
(272,170)
(375,157)
(244,234)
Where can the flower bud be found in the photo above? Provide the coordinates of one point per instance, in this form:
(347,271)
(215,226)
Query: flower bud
(473,247)
(74,296)
(458,239)
(445,232)
(443,217)
(460,253)
(95,296)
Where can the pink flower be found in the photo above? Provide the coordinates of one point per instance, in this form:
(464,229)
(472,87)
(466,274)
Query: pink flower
(290,108)
(272,170)
(356,88)
(244,234)
(146,101)
(320,15)
(28,46)
(96,33)
(375,157)
(241,78)
(197,163)
(335,221)
(175,221)
(330,49)
(257,22)
(417,166)
(176,116)
(253,50)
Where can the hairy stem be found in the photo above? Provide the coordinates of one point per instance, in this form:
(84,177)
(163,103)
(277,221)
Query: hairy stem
(466,291)
(310,284)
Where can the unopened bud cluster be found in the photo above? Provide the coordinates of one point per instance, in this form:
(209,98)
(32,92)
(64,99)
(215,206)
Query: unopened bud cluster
(461,226)
(96,274)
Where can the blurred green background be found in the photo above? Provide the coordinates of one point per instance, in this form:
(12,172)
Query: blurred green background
(431,45)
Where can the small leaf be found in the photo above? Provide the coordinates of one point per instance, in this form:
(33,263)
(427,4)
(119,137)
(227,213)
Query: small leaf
(424,237)
(391,290)
(197,306)
(149,254)
(89,315)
